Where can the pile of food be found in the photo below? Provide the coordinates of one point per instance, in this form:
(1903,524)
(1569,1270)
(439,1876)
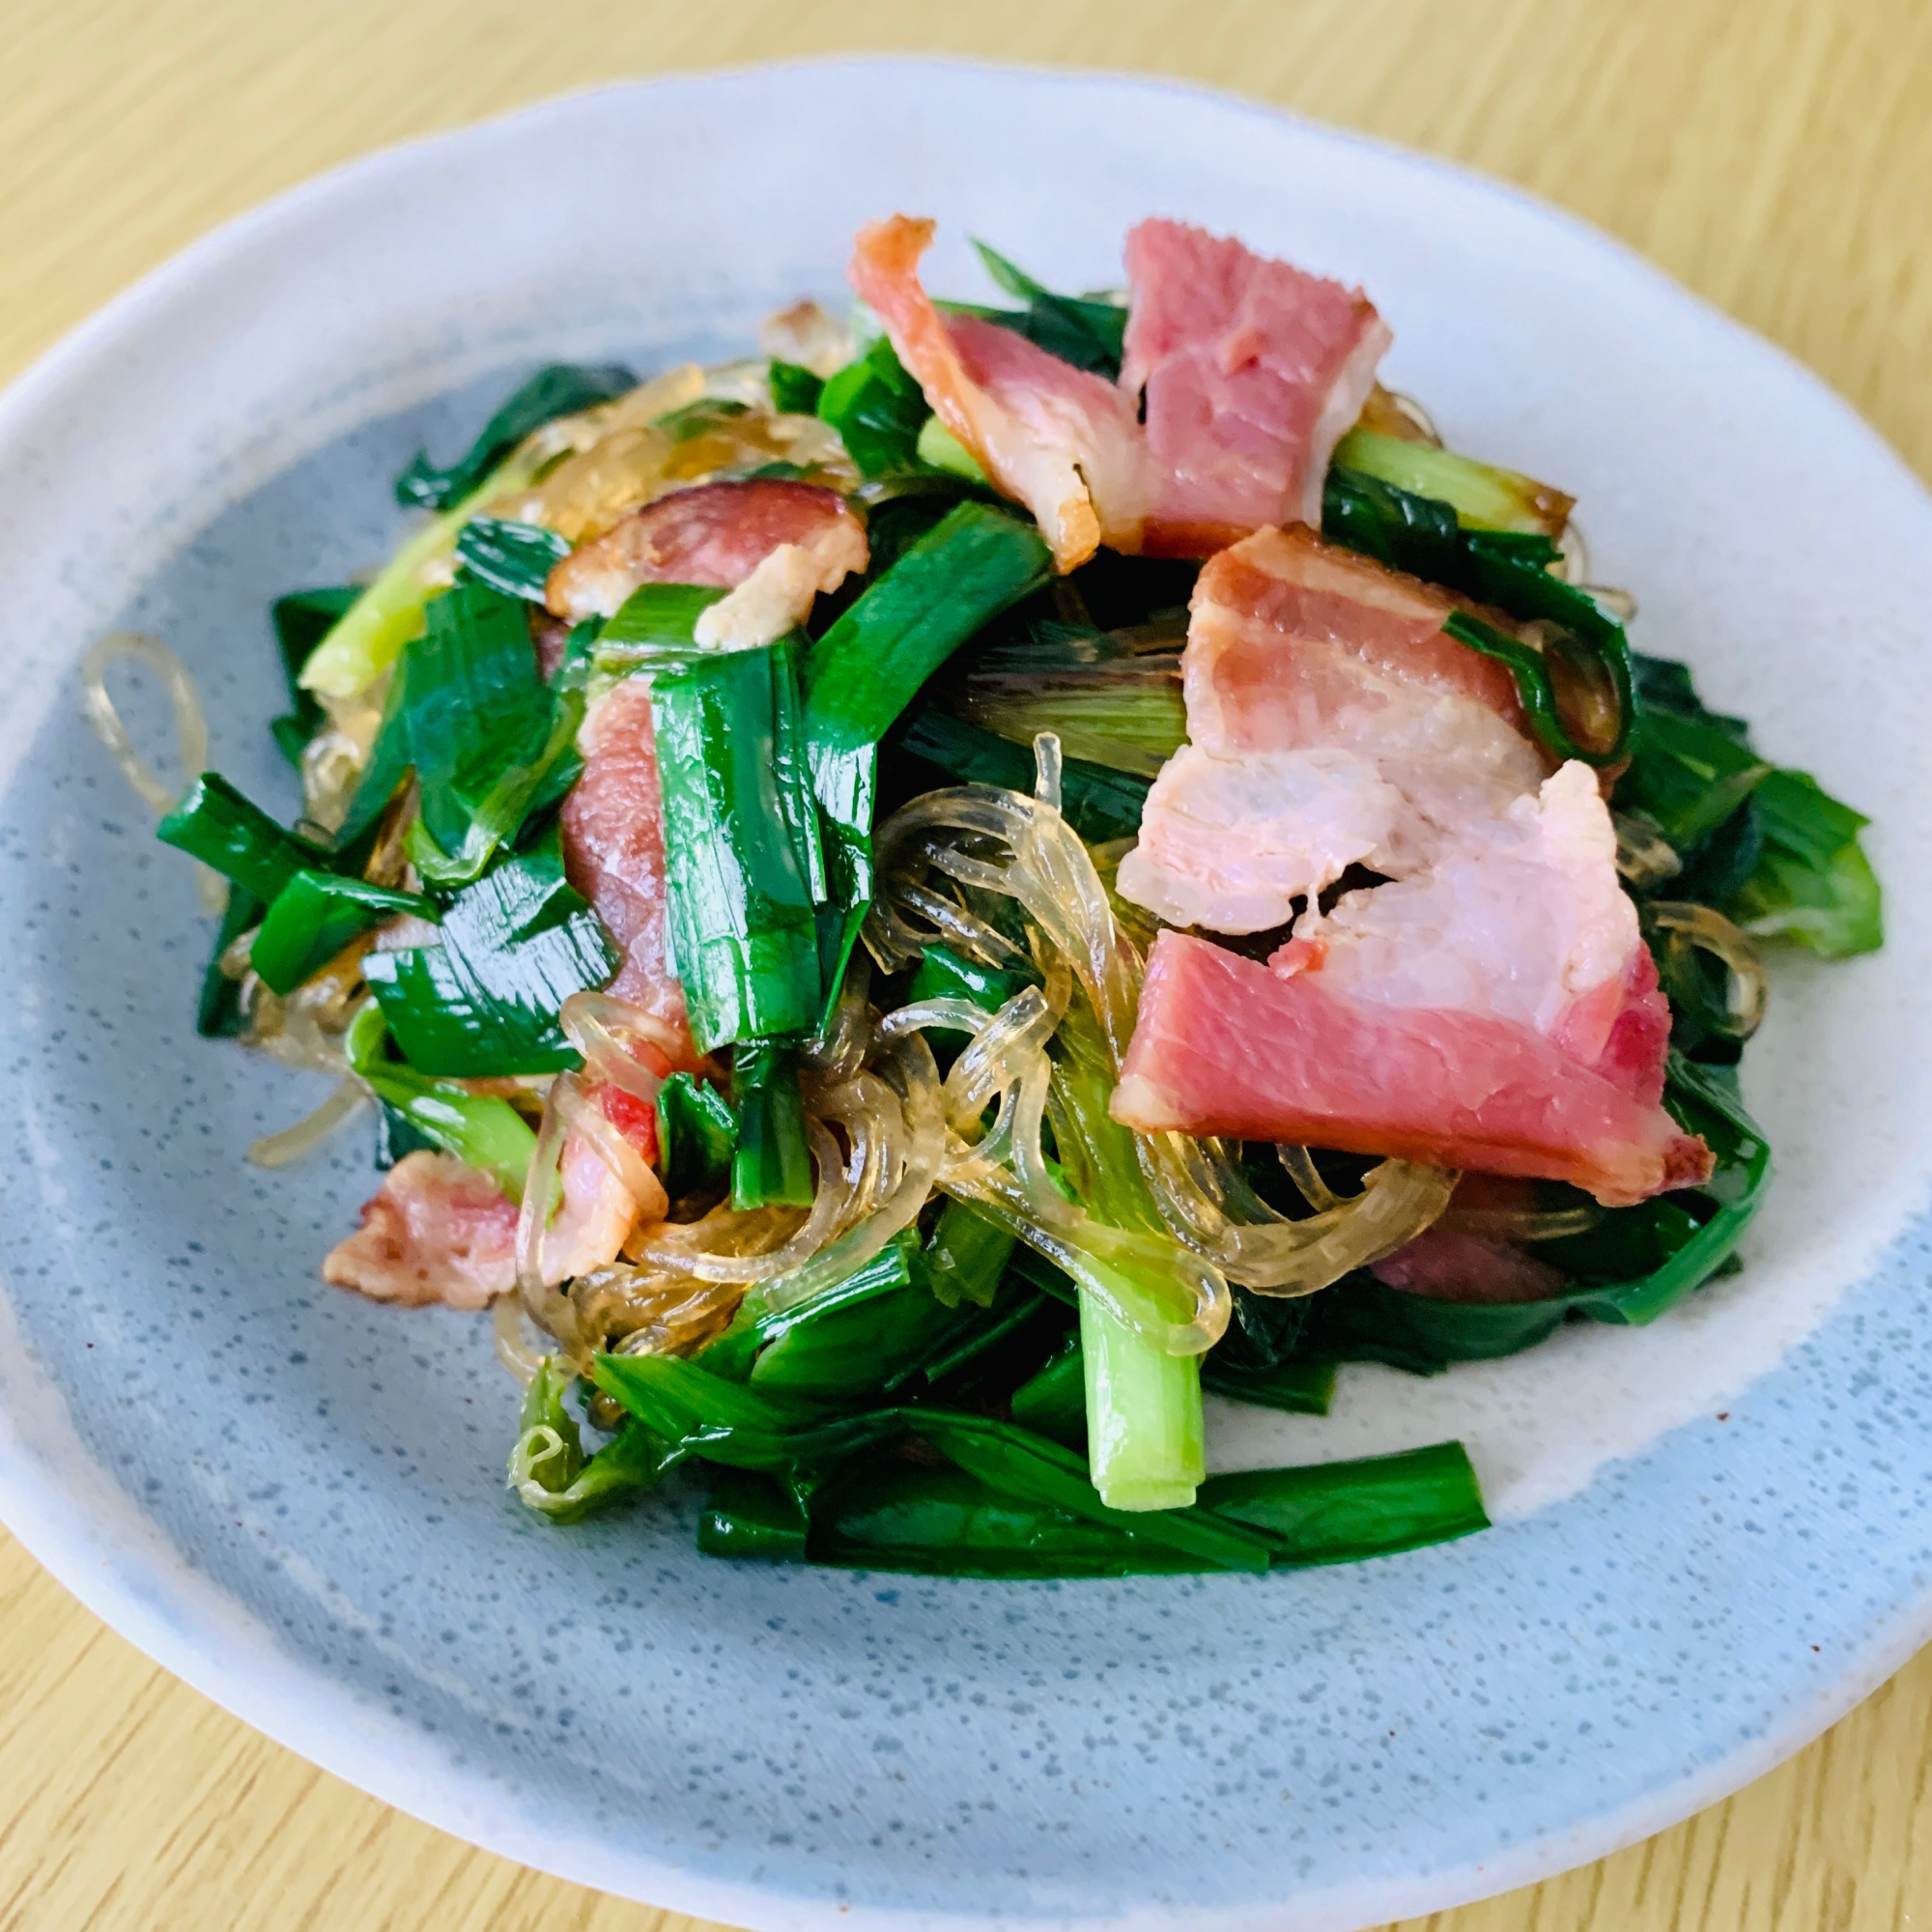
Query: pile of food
(906,907)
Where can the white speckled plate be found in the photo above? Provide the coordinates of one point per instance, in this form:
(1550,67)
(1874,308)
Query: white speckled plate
(1714,1534)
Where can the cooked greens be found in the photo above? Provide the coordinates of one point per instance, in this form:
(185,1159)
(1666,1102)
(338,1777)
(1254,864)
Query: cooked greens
(1766,845)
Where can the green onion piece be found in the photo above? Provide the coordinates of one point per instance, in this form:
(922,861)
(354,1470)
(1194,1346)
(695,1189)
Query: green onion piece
(875,1332)
(803,1441)
(938,448)
(489,743)
(779,1432)
(513,557)
(396,1139)
(1480,494)
(966,1256)
(795,390)
(1536,688)
(1087,333)
(314,917)
(1144,1433)
(878,409)
(1033,1470)
(372,633)
(218,1013)
(1583,640)
(485,1133)
(548,1466)
(1689,779)
(869,666)
(1767,847)
(943,1523)
(655,631)
(1510,569)
(484,1000)
(1419,534)
(1016,1503)
(560,390)
(741,848)
(751,1518)
(988,1344)
(1098,802)
(1146,1440)
(1127,717)
(771,1166)
(536,779)
(217,825)
(1299,1386)
(839,1342)
(943,974)
(1343,1512)
(1053,1402)
(543,1408)
(301,620)
(697,1135)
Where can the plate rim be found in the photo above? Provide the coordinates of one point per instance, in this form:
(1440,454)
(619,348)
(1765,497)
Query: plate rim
(172,1614)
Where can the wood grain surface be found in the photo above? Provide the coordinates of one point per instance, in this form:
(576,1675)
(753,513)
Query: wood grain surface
(1775,155)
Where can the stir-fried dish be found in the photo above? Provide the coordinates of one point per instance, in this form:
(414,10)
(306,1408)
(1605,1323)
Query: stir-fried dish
(907,907)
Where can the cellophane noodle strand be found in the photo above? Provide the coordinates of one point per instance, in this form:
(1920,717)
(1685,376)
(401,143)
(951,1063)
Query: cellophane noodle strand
(506,1322)
(1701,927)
(190,730)
(1299,1166)
(1528,1224)
(595,1024)
(278,1150)
(552,1313)
(304,1031)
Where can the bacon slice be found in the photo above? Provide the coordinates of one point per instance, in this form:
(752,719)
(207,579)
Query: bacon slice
(438,1230)
(719,535)
(1494,1005)
(1252,371)
(1332,722)
(1455,1262)
(1226,1046)
(613,851)
(1450,1267)
(1062,440)
(1294,641)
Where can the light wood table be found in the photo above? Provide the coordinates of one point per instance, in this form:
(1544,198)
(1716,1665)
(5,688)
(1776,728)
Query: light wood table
(1775,155)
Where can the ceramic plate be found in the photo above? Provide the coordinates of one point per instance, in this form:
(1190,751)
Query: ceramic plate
(1713,1535)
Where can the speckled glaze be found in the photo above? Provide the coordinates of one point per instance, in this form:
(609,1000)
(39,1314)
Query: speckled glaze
(1713,1535)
